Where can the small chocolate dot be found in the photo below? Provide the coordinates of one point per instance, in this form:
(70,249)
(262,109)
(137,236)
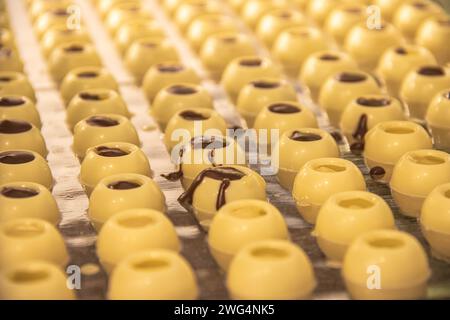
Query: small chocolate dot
(11,102)
(357,148)
(305,136)
(123,185)
(91,96)
(251,62)
(284,108)
(14,126)
(170,68)
(377,173)
(16,157)
(110,152)
(6,79)
(100,121)
(401,51)
(262,84)
(351,77)
(87,74)
(431,71)
(373,102)
(19,192)
(74,48)
(329,57)
(181,90)
(193,116)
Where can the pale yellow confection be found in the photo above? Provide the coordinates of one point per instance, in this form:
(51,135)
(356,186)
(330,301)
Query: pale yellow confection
(415,175)
(72,55)
(166,74)
(435,221)
(132,231)
(134,30)
(217,186)
(421,85)
(433,34)
(438,119)
(125,12)
(398,61)
(189,10)
(345,216)
(388,7)
(221,48)
(50,19)
(321,178)
(27,200)
(243,70)
(275,21)
(240,223)
(112,158)
(19,107)
(293,46)
(34,280)
(86,78)
(39,7)
(260,93)
(122,192)
(341,19)
(385,143)
(272,270)
(178,97)
(27,239)
(189,123)
(363,113)
(366,45)
(24,165)
(319,10)
(100,129)
(19,134)
(253,10)
(16,83)
(153,275)
(59,35)
(147,52)
(321,65)
(296,147)
(207,25)
(10,59)
(386,265)
(341,88)
(93,102)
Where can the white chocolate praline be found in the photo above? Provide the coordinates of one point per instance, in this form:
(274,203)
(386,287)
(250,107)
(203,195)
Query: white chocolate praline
(341,88)
(281,116)
(132,231)
(34,280)
(153,275)
(86,78)
(18,134)
(294,45)
(272,24)
(178,97)
(319,10)
(24,165)
(50,19)
(16,83)
(124,12)
(433,35)
(19,107)
(435,221)
(121,192)
(396,256)
(240,223)
(102,128)
(222,184)
(39,7)
(70,56)
(204,152)
(112,158)
(388,7)
(421,85)
(415,175)
(410,15)
(27,200)
(10,59)
(345,216)
(221,48)
(438,119)
(321,65)
(398,61)
(166,74)
(207,25)
(341,19)
(243,70)
(319,179)
(261,92)
(134,30)
(189,10)
(366,45)
(147,52)
(296,147)
(189,123)
(61,34)
(363,113)
(288,272)
(93,102)
(253,10)
(27,239)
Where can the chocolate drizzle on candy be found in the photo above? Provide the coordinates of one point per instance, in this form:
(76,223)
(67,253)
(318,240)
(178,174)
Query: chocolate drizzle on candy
(14,126)
(329,57)
(264,84)
(431,71)
(304,136)
(16,157)
(123,185)
(251,62)
(191,115)
(284,108)
(11,102)
(181,89)
(373,102)
(200,142)
(359,134)
(87,74)
(170,68)
(350,77)
(110,152)
(19,192)
(223,174)
(377,173)
(100,121)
